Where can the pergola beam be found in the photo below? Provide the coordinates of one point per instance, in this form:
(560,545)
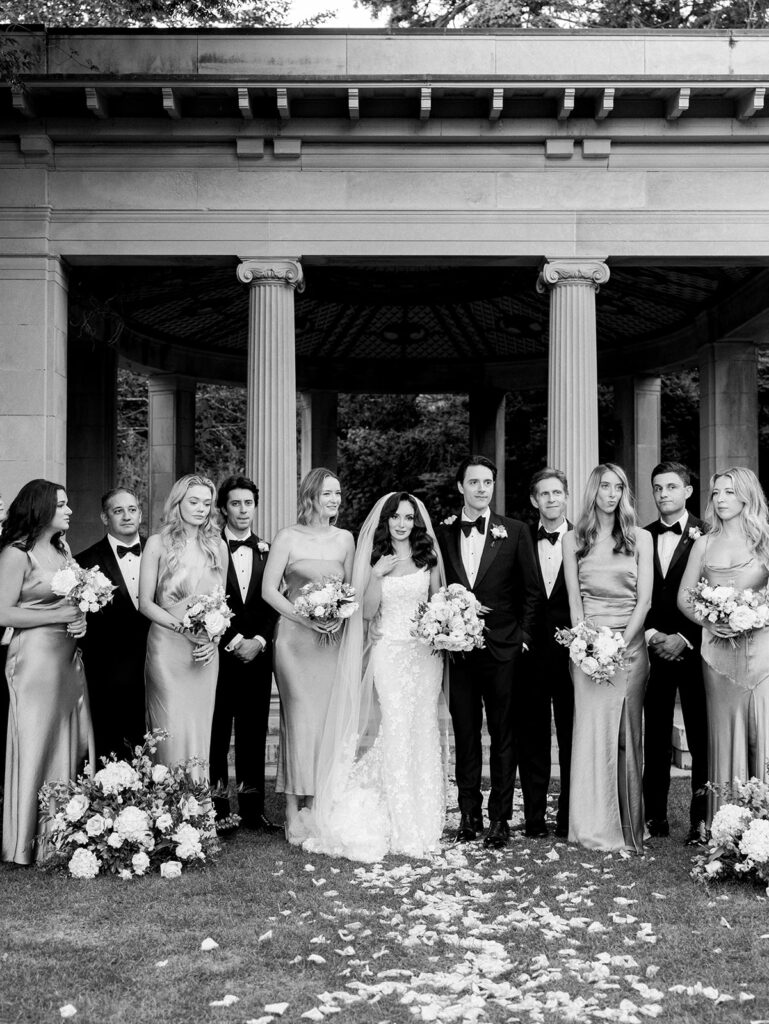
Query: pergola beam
(171,103)
(604,104)
(244,105)
(751,103)
(678,103)
(96,102)
(566,103)
(353,104)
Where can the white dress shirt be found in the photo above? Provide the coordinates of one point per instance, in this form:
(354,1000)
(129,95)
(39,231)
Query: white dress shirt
(667,542)
(243,564)
(551,556)
(129,565)
(471,547)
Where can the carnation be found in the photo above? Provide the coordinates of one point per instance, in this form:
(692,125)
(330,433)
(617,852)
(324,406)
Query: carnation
(84,864)
(754,843)
(729,823)
(76,807)
(115,776)
(132,824)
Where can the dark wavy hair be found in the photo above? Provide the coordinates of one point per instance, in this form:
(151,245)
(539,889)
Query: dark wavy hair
(29,513)
(422,549)
(235,483)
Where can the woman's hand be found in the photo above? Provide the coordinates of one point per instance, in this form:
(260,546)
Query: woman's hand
(326,627)
(77,626)
(203,652)
(719,629)
(385,565)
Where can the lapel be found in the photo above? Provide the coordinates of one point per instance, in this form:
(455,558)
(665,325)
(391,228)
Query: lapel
(110,567)
(654,530)
(257,565)
(534,528)
(491,548)
(233,586)
(455,552)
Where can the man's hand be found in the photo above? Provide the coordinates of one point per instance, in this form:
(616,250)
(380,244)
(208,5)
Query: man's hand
(247,650)
(668,646)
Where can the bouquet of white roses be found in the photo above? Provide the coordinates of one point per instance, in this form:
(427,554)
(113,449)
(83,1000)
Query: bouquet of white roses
(208,616)
(328,602)
(452,620)
(595,650)
(738,846)
(740,611)
(89,589)
(131,818)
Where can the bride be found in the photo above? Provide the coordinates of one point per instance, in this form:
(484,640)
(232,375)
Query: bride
(389,796)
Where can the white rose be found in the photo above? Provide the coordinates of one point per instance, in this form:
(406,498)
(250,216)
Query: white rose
(159,773)
(140,862)
(171,869)
(164,822)
(196,609)
(346,610)
(589,666)
(125,874)
(742,619)
(95,825)
(63,582)
(84,606)
(215,623)
(190,807)
(84,864)
(76,807)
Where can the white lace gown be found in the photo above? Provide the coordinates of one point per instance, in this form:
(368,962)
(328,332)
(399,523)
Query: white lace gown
(395,796)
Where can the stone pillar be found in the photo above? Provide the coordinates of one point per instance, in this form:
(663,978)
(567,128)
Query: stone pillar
(572,399)
(171,437)
(638,407)
(271,416)
(728,409)
(487,435)
(33,371)
(318,418)
(91,434)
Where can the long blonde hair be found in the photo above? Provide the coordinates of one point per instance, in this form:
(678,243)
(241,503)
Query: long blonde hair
(625,522)
(754,515)
(172,531)
(309,491)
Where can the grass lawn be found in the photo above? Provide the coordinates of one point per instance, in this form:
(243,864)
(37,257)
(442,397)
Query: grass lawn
(539,932)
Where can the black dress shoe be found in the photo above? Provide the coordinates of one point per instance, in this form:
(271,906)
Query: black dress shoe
(536,831)
(221,807)
(658,827)
(695,838)
(497,836)
(467,831)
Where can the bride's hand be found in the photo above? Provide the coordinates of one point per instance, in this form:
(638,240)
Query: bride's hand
(385,564)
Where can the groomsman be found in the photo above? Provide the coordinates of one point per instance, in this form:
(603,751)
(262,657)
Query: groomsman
(492,556)
(115,645)
(674,654)
(548,664)
(244,686)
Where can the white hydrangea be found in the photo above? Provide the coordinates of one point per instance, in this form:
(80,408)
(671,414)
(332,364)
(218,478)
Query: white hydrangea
(730,821)
(79,837)
(84,864)
(132,824)
(140,862)
(117,775)
(755,841)
(188,839)
(76,807)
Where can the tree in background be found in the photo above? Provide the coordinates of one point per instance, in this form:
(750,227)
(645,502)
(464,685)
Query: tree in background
(147,13)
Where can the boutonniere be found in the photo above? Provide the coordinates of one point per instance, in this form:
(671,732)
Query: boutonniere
(449,520)
(498,532)
(694,533)
(262,547)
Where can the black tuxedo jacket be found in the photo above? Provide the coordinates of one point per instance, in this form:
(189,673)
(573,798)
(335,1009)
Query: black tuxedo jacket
(506,582)
(554,611)
(252,617)
(664,614)
(115,642)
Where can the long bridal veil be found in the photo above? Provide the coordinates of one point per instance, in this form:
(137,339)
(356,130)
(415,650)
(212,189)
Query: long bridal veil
(352,723)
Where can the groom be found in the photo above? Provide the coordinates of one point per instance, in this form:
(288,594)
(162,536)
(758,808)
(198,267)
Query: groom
(493,557)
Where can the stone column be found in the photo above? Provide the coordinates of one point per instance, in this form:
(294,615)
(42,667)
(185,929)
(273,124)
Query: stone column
(271,416)
(728,409)
(318,418)
(487,435)
(572,399)
(91,434)
(33,371)
(638,407)
(171,437)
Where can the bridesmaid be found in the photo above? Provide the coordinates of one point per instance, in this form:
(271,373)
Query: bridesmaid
(608,565)
(188,557)
(49,727)
(312,549)
(733,553)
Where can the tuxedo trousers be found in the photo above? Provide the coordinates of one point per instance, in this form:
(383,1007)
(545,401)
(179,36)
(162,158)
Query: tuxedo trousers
(243,692)
(665,679)
(479,681)
(118,706)
(547,683)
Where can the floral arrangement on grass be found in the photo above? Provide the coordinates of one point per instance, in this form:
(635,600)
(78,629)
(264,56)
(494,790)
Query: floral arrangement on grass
(131,819)
(328,602)
(738,846)
(89,589)
(208,616)
(452,620)
(595,650)
(740,611)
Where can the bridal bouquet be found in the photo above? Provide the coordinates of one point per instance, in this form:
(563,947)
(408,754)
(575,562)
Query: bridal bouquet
(739,836)
(328,602)
(208,616)
(452,620)
(595,650)
(741,611)
(132,818)
(89,589)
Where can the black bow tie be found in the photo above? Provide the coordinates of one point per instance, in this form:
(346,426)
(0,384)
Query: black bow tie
(551,535)
(675,528)
(479,524)
(122,551)
(249,542)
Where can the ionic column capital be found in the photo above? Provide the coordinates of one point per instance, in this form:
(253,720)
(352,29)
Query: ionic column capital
(573,271)
(270,272)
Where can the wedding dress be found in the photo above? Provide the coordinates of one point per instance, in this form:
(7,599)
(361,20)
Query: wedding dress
(383,788)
